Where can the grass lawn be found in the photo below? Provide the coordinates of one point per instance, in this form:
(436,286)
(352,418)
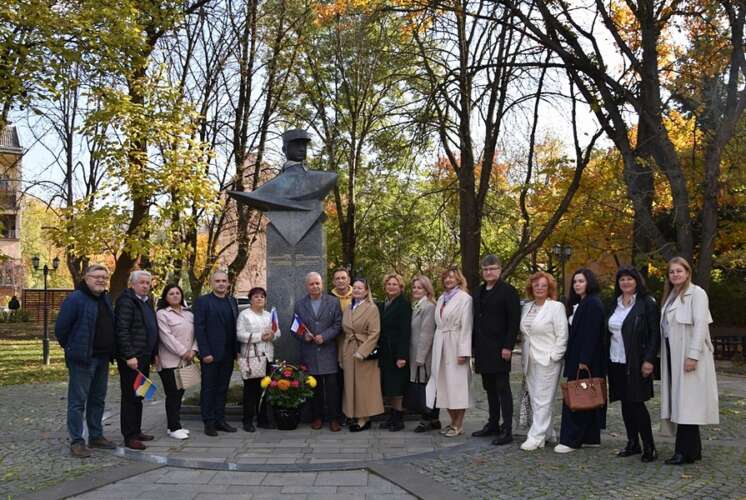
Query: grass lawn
(21,362)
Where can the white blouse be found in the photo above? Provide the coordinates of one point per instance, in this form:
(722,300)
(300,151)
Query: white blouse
(249,330)
(616,352)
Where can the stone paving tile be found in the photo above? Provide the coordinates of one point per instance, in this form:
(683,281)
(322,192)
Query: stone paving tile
(240,478)
(289,478)
(344,478)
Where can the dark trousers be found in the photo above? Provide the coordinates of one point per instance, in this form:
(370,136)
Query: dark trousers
(130,412)
(216,378)
(499,399)
(637,422)
(252,393)
(173,398)
(688,441)
(327,391)
(634,413)
(580,427)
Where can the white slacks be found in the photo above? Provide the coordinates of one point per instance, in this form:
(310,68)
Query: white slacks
(541,382)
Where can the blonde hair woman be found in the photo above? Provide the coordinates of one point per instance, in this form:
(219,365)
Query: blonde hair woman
(689,393)
(421,344)
(362,378)
(396,319)
(449,384)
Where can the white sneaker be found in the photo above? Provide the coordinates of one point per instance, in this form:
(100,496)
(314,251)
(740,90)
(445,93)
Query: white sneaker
(561,448)
(178,434)
(185,430)
(531,445)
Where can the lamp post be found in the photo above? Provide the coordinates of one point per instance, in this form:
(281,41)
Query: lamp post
(45,270)
(563,253)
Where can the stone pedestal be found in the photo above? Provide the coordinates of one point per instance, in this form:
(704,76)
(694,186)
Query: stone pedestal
(287,267)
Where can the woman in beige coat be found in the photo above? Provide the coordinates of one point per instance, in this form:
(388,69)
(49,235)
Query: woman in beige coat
(421,344)
(689,393)
(449,384)
(362,377)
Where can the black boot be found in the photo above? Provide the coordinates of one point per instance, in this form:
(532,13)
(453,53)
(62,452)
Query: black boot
(396,421)
(649,454)
(504,437)
(387,423)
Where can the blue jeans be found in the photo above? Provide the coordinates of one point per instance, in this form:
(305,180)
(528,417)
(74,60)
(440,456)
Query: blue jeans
(86,391)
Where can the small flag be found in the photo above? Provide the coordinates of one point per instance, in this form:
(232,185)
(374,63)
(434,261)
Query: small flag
(298,327)
(143,386)
(275,321)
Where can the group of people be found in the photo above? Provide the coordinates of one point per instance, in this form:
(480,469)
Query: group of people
(364,352)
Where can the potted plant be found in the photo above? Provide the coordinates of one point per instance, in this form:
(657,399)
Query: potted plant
(286,389)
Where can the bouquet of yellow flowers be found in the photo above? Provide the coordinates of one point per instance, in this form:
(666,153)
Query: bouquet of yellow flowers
(288,386)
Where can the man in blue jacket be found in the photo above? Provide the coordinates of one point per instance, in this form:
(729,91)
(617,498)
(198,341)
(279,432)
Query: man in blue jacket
(215,316)
(85,330)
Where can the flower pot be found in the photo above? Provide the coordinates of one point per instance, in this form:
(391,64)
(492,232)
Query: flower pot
(286,419)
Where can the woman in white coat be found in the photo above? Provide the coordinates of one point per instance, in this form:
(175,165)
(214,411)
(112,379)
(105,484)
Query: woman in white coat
(544,330)
(450,379)
(254,331)
(689,393)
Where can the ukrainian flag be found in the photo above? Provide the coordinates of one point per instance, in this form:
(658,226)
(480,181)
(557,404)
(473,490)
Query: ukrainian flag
(143,386)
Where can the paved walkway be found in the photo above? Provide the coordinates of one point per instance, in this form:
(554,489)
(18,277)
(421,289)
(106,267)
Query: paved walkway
(307,464)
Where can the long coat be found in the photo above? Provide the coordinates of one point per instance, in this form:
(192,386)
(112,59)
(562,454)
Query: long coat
(587,339)
(449,384)
(641,337)
(321,359)
(396,324)
(362,379)
(693,395)
(497,317)
(421,342)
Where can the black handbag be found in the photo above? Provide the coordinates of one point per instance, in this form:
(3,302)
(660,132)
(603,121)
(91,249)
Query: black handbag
(374,354)
(414,396)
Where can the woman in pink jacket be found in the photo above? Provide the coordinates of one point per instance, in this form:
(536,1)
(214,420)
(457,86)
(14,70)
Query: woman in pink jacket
(176,345)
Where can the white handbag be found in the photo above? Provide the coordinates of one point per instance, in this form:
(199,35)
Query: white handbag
(187,375)
(252,363)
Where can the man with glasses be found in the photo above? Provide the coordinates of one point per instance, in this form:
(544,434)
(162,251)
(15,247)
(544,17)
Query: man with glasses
(85,330)
(497,316)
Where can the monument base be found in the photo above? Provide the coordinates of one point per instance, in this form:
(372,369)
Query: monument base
(287,267)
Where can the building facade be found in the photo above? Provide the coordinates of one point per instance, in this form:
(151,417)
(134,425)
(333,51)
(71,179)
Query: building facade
(11,264)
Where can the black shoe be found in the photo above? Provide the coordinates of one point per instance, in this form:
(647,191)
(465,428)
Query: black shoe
(487,430)
(356,428)
(679,459)
(505,437)
(249,427)
(387,423)
(396,422)
(225,427)
(649,455)
(210,430)
(629,450)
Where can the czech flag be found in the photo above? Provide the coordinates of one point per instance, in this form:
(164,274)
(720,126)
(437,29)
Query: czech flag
(275,321)
(143,386)
(298,328)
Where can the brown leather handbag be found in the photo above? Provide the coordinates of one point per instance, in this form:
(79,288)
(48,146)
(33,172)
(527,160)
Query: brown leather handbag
(586,393)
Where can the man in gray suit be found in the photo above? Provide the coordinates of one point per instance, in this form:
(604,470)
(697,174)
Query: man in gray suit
(321,314)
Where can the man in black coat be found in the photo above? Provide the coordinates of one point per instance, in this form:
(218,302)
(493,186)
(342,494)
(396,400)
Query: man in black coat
(137,344)
(215,316)
(497,315)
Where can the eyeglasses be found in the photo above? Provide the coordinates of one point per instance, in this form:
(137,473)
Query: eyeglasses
(491,268)
(97,277)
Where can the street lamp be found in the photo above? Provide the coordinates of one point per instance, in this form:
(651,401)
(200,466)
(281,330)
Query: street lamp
(563,253)
(35,261)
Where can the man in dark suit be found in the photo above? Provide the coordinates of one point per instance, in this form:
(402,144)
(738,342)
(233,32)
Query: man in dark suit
(215,316)
(497,316)
(322,316)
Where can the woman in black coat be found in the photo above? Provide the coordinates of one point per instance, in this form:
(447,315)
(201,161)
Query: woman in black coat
(396,329)
(585,351)
(634,338)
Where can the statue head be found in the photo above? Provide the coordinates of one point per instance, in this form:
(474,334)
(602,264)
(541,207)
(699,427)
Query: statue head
(295,144)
